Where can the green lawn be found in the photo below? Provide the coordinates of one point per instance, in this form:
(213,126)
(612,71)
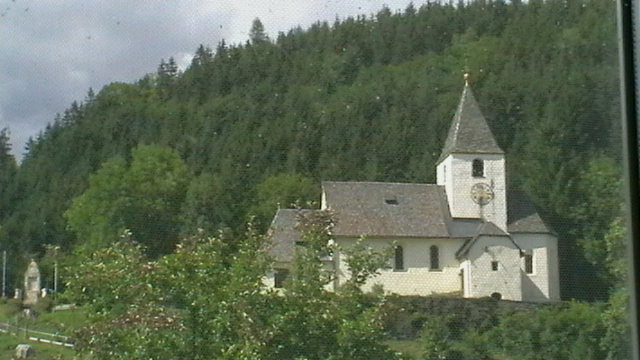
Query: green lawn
(9,342)
(410,348)
(64,322)
(61,322)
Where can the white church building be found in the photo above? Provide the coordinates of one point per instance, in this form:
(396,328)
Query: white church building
(466,234)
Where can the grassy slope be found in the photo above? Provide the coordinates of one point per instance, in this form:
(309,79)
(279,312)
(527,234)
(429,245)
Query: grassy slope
(63,322)
(412,349)
(8,345)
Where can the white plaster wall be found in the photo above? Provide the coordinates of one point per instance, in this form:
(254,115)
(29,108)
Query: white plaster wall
(329,265)
(269,279)
(544,283)
(465,267)
(483,281)
(416,278)
(443,174)
(458,181)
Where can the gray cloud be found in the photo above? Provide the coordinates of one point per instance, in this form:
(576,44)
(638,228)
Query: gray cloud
(52,52)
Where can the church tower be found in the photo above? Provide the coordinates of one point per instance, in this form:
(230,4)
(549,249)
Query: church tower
(472,166)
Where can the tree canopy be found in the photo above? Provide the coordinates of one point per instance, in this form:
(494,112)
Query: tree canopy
(142,198)
(202,302)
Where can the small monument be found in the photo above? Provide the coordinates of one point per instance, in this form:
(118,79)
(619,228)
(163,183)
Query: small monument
(32,287)
(25,351)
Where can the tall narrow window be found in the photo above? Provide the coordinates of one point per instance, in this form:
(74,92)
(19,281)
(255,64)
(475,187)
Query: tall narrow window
(528,263)
(434,258)
(399,258)
(477,168)
(494,266)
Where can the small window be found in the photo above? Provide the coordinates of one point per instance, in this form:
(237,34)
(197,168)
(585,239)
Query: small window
(279,277)
(494,265)
(398,258)
(528,263)
(477,168)
(434,258)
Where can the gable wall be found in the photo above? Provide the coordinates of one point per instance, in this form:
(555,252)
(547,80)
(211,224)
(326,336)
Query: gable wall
(482,280)
(416,278)
(543,284)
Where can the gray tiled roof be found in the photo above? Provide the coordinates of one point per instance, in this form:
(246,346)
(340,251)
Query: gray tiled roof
(387,209)
(469,131)
(522,215)
(416,210)
(484,228)
(464,227)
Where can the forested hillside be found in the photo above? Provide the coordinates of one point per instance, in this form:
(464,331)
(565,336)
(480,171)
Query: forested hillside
(247,127)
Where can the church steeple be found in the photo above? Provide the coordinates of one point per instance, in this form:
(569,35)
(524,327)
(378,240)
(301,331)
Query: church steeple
(472,167)
(469,132)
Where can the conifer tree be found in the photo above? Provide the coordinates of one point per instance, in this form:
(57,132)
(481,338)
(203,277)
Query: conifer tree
(8,168)
(257,34)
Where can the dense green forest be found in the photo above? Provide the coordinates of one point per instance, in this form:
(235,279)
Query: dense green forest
(248,127)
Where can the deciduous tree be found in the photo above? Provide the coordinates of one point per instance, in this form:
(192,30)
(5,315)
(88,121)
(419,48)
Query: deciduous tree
(143,197)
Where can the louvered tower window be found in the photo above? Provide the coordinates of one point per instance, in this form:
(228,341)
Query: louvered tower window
(477,168)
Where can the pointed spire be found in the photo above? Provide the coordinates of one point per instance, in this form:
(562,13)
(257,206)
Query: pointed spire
(469,132)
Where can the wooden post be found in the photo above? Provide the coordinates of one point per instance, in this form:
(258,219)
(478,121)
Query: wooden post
(4,273)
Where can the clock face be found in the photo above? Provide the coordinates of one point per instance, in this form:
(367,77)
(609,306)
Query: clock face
(481,193)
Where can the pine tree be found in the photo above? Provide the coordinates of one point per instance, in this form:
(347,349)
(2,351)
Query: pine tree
(8,170)
(257,34)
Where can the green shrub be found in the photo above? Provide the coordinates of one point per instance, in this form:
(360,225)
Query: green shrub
(407,314)
(475,345)
(44,305)
(11,307)
(568,331)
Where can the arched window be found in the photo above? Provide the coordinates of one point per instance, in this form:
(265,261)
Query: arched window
(399,258)
(434,258)
(477,168)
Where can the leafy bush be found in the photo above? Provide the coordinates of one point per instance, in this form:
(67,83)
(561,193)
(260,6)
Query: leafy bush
(11,307)
(409,313)
(205,302)
(44,305)
(571,331)
(480,329)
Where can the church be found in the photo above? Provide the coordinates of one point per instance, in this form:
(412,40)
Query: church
(467,234)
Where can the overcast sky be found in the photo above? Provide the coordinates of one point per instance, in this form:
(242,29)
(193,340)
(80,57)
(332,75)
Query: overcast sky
(53,51)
